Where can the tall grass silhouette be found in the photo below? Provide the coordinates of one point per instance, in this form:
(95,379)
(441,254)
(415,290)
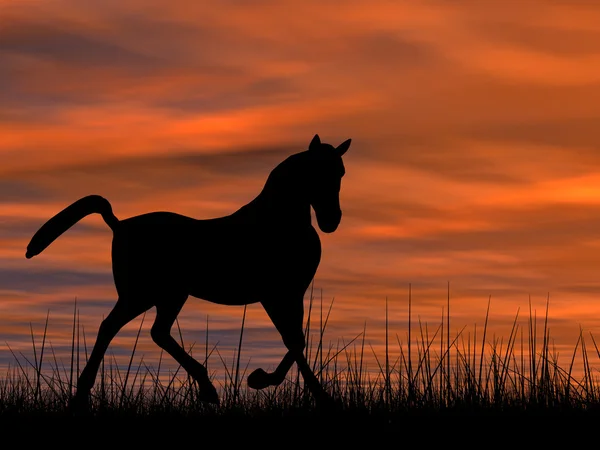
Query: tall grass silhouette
(436,371)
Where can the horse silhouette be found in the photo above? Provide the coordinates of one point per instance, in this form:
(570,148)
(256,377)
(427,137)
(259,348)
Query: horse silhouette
(267,251)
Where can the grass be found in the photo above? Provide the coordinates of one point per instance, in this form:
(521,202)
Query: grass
(438,375)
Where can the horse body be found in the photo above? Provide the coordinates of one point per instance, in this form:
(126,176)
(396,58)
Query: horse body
(231,260)
(267,251)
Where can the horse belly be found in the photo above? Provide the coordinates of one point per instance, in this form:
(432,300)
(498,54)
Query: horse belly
(226,283)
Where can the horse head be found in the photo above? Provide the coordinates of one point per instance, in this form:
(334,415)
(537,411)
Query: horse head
(324,182)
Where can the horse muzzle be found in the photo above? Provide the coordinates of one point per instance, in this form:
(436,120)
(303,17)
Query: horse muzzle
(328,223)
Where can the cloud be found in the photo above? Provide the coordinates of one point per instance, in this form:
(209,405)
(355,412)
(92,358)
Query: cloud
(128,179)
(542,37)
(17,190)
(48,64)
(42,280)
(568,135)
(66,46)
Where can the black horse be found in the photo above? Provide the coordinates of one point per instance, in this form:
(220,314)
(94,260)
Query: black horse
(267,251)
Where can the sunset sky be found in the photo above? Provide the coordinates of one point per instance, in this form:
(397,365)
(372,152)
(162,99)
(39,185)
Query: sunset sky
(475,156)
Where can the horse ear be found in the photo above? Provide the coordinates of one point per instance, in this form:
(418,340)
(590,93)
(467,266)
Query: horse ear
(315,143)
(343,147)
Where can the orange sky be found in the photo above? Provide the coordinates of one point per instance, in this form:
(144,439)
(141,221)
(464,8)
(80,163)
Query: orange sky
(474,153)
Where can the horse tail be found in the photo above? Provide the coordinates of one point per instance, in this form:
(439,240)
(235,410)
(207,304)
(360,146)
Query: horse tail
(68,217)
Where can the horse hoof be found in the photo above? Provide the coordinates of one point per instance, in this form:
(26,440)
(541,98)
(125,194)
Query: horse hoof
(259,379)
(209,394)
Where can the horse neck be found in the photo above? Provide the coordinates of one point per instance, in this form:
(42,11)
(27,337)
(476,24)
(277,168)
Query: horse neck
(281,202)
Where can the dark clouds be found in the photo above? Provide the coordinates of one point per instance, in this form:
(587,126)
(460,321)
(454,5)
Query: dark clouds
(63,46)
(64,55)
(130,177)
(50,280)
(18,190)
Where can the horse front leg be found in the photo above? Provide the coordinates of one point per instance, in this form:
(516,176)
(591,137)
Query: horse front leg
(259,379)
(288,320)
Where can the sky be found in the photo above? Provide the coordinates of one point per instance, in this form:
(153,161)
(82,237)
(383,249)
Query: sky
(472,174)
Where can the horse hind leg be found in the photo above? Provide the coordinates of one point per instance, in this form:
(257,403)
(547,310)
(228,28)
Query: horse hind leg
(166,313)
(122,313)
